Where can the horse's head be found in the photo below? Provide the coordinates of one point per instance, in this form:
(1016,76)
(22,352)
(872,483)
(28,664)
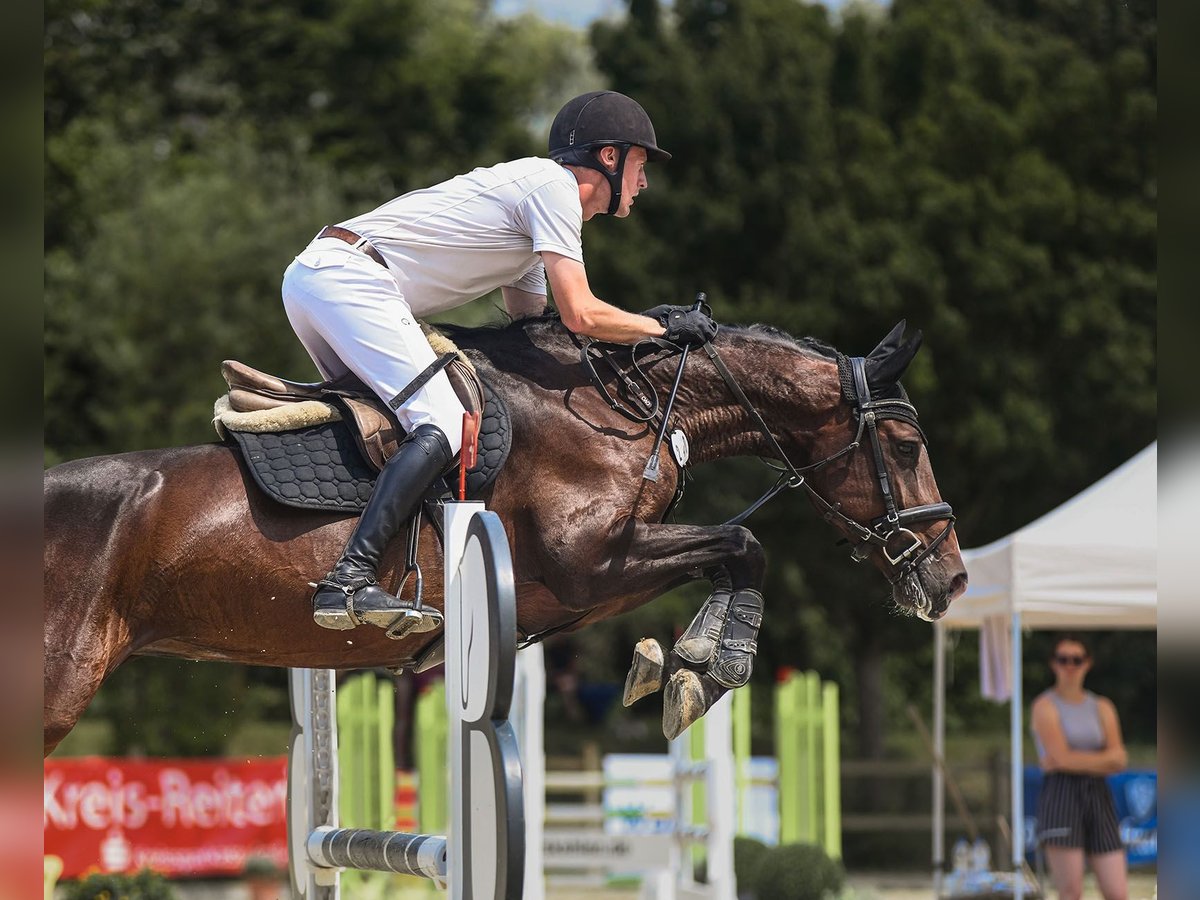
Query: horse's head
(873,480)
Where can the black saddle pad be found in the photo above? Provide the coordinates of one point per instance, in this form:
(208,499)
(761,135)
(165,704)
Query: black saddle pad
(320,467)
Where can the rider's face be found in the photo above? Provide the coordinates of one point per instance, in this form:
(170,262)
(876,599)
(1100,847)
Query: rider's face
(634,178)
(633,181)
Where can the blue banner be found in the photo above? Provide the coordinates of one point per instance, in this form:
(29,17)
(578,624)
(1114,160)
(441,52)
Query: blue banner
(1135,795)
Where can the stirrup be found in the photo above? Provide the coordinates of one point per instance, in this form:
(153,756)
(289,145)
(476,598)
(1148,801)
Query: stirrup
(399,618)
(415,621)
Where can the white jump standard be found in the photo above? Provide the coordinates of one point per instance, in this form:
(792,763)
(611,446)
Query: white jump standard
(484,855)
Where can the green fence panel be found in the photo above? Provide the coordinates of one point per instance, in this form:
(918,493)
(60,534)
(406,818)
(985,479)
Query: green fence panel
(807,749)
(832,769)
(430,752)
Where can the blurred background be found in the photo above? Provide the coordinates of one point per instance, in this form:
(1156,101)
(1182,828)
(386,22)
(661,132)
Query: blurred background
(985,169)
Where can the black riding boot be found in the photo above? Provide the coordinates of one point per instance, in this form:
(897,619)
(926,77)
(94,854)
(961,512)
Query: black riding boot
(348,595)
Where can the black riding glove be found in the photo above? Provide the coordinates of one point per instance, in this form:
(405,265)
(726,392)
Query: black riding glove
(660,313)
(684,325)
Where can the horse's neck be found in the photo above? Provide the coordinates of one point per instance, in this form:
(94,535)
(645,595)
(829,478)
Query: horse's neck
(796,393)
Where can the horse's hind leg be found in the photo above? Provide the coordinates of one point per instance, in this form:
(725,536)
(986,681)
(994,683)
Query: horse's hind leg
(69,686)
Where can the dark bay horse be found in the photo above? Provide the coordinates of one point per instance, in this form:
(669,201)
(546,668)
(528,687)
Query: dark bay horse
(176,552)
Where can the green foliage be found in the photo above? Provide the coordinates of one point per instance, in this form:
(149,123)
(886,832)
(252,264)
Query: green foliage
(182,271)
(985,169)
(748,857)
(798,872)
(145,885)
(262,867)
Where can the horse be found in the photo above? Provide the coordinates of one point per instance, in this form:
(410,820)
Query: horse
(176,552)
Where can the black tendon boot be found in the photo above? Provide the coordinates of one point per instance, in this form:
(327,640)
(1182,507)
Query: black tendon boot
(698,643)
(348,595)
(734,657)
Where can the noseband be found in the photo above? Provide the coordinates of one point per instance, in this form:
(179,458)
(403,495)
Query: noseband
(892,527)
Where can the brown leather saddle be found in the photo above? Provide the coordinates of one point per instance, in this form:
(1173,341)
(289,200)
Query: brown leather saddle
(374,426)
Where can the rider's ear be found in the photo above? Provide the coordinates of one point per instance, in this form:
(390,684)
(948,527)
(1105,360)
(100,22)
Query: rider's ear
(887,362)
(608,156)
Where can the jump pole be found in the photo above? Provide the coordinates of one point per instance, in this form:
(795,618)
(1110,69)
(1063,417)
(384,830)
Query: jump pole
(484,854)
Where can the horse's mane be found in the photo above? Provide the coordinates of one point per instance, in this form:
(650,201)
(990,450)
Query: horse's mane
(548,329)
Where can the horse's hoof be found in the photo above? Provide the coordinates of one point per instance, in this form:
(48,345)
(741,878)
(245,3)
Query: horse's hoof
(645,673)
(683,703)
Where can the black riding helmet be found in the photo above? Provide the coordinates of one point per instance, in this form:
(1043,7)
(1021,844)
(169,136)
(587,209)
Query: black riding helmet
(603,119)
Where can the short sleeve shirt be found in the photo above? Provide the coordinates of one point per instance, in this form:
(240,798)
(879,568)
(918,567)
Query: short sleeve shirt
(458,240)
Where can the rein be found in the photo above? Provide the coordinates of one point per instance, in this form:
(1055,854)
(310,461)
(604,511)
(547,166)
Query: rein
(646,399)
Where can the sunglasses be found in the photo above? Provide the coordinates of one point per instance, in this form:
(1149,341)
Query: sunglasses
(1064,660)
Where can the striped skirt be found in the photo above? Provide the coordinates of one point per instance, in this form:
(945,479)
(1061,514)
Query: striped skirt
(1078,811)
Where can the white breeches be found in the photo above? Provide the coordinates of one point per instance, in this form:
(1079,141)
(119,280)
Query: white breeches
(349,313)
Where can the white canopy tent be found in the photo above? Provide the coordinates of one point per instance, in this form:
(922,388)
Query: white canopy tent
(1089,564)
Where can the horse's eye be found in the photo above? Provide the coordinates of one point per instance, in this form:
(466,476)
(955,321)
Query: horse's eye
(908,449)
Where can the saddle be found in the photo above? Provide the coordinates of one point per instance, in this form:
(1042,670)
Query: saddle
(374,427)
(321,444)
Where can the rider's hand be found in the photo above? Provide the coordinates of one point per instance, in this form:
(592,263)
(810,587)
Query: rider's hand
(660,313)
(690,326)
(684,325)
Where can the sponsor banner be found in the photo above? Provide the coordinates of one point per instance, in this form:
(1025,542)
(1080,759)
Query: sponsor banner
(178,817)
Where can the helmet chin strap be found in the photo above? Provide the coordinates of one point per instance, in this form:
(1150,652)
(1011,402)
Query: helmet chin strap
(588,160)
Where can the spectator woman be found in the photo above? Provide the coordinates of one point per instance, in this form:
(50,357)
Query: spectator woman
(1079,742)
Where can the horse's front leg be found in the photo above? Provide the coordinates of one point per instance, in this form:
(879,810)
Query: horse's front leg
(714,655)
(716,652)
(722,639)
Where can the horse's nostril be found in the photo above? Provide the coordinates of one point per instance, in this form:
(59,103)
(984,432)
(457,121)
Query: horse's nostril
(958,584)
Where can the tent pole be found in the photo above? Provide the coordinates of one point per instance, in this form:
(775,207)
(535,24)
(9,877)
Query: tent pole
(939,747)
(1017,780)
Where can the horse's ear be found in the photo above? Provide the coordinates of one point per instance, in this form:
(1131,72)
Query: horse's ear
(887,362)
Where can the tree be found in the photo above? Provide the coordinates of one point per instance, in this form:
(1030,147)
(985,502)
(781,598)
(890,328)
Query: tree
(984,169)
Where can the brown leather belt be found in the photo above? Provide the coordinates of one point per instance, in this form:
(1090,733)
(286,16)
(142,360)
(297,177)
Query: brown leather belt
(359,242)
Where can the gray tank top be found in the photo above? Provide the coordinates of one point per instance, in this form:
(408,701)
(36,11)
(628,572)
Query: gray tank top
(1080,723)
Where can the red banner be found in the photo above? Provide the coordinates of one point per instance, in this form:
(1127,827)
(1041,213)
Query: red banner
(177,817)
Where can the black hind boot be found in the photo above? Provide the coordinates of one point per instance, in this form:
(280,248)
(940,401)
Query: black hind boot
(349,595)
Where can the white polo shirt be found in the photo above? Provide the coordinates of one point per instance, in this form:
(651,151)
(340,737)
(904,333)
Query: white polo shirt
(458,240)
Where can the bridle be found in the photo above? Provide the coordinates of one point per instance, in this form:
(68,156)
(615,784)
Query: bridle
(894,524)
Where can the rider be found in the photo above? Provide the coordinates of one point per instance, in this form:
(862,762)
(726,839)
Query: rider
(354,295)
